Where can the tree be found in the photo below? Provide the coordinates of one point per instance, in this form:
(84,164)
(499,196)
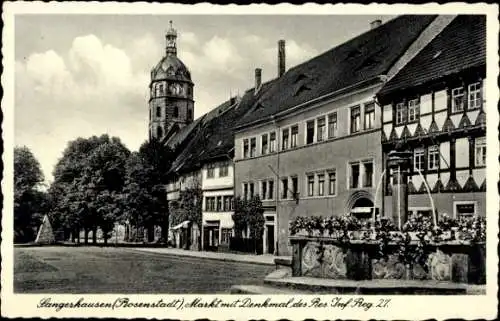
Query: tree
(144,191)
(90,171)
(249,214)
(30,203)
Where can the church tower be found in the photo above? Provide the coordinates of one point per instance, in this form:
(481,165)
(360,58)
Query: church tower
(171,104)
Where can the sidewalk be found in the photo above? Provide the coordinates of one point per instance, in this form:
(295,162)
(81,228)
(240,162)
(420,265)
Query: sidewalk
(265,259)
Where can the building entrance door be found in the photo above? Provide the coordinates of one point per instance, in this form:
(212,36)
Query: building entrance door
(270,239)
(211,236)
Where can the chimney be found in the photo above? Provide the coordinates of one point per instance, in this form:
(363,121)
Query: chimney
(375,23)
(281,58)
(258,79)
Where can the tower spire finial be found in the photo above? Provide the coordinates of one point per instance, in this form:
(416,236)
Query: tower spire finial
(171,37)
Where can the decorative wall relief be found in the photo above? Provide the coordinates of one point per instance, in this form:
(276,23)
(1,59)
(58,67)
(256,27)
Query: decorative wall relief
(310,264)
(440,266)
(334,265)
(388,269)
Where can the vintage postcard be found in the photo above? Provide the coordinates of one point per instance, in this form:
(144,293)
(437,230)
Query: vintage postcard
(236,162)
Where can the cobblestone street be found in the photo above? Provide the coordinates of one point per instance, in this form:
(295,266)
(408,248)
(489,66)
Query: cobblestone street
(119,270)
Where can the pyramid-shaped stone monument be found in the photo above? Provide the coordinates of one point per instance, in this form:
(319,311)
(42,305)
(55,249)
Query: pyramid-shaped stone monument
(45,234)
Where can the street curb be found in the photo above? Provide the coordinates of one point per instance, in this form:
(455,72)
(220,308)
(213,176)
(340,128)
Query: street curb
(203,257)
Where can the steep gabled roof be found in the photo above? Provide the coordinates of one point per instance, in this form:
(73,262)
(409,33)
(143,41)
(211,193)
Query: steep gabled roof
(215,139)
(363,58)
(461,45)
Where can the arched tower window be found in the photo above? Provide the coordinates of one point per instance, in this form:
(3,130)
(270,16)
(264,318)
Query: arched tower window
(176,111)
(158,111)
(159,132)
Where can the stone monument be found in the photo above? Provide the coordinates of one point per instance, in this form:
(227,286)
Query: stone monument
(45,233)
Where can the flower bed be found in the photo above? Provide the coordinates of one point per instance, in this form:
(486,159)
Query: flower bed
(345,247)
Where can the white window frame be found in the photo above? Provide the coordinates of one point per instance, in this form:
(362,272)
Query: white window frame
(272,147)
(336,126)
(358,124)
(421,153)
(456,93)
(435,152)
(480,144)
(321,192)
(477,96)
(328,172)
(269,189)
(309,194)
(322,137)
(313,121)
(250,154)
(413,110)
(400,113)
(262,152)
(287,145)
(455,203)
(243,148)
(294,141)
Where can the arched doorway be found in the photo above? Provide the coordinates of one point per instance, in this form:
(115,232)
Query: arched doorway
(360,204)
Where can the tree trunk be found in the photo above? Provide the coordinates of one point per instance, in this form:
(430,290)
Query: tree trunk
(86,238)
(94,235)
(105,237)
(78,235)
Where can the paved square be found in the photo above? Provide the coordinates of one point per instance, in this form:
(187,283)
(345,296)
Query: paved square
(119,270)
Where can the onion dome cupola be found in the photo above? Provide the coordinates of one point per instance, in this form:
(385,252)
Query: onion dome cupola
(171,104)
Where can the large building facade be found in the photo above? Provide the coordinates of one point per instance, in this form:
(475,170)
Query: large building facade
(434,108)
(311,146)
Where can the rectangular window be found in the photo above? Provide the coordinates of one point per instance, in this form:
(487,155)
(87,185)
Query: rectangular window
(355,119)
(245,148)
(225,235)
(418,159)
(264,148)
(465,209)
(321,129)
(284,186)
(263,190)
(295,136)
(227,203)
(224,169)
(253,146)
(433,157)
(354,175)
(400,113)
(272,142)
(284,139)
(474,95)
(210,171)
(370,116)
(332,183)
(321,184)
(251,190)
(332,125)
(207,204)
(271,189)
(245,191)
(232,203)
(310,132)
(457,100)
(480,154)
(219,204)
(413,110)
(368,174)
(310,185)
(295,186)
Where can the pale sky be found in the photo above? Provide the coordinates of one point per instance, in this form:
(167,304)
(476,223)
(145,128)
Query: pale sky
(84,75)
